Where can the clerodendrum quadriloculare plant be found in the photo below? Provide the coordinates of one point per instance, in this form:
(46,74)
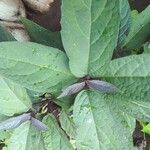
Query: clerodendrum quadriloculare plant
(112,93)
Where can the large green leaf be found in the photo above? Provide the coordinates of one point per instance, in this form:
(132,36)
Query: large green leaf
(89,34)
(131,75)
(54,137)
(133,107)
(139,109)
(125,21)
(139,30)
(13,98)
(26,137)
(100,125)
(5,35)
(37,67)
(41,35)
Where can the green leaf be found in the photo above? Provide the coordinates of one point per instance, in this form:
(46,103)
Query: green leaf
(125,21)
(26,137)
(131,75)
(41,35)
(67,124)
(139,109)
(89,34)
(65,102)
(5,35)
(146,129)
(139,32)
(134,13)
(37,67)
(5,148)
(54,137)
(100,125)
(13,98)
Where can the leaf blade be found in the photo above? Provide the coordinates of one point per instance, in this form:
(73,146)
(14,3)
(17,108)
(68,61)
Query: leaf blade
(125,22)
(67,124)
(13,98)
(24,136)
(139,30)
(46,69)
(131,75)
(97,132)
(5,35)
(41,35)
(54,138)
(89,35)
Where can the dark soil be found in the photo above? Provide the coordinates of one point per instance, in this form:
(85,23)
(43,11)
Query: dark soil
(139,5)
(49,20)
(141,140)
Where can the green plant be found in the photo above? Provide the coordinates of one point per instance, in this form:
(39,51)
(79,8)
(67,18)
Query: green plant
(112,92)
(145,127)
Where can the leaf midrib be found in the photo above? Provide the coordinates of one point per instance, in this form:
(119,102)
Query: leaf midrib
(95,122)
(17,61)
(90,42)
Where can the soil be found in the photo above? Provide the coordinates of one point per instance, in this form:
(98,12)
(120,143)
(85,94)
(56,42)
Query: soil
(49,20)
(139,5)
(141,140)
